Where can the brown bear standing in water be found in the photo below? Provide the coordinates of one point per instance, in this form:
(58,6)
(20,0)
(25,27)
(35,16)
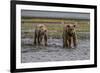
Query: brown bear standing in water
(69,36)
(40,35)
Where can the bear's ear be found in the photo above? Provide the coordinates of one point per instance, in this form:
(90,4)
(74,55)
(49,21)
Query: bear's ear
(74,25)
(68,25)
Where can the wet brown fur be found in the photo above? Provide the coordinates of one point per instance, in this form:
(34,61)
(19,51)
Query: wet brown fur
(40,35)
(69,36)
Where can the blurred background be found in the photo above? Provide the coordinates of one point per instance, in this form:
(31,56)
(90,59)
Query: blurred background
(54,21)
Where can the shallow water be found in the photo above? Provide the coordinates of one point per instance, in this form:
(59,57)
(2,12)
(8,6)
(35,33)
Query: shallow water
(54,51)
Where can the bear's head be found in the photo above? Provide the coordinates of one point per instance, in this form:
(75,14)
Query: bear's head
(71,29)
(42,29)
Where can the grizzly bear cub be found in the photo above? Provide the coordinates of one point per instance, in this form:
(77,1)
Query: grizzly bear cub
(40,35)
(69,36)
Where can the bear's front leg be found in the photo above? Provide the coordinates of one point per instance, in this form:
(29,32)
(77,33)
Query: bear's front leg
(45,39)
(70,42)
(35,38)
(75,41)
